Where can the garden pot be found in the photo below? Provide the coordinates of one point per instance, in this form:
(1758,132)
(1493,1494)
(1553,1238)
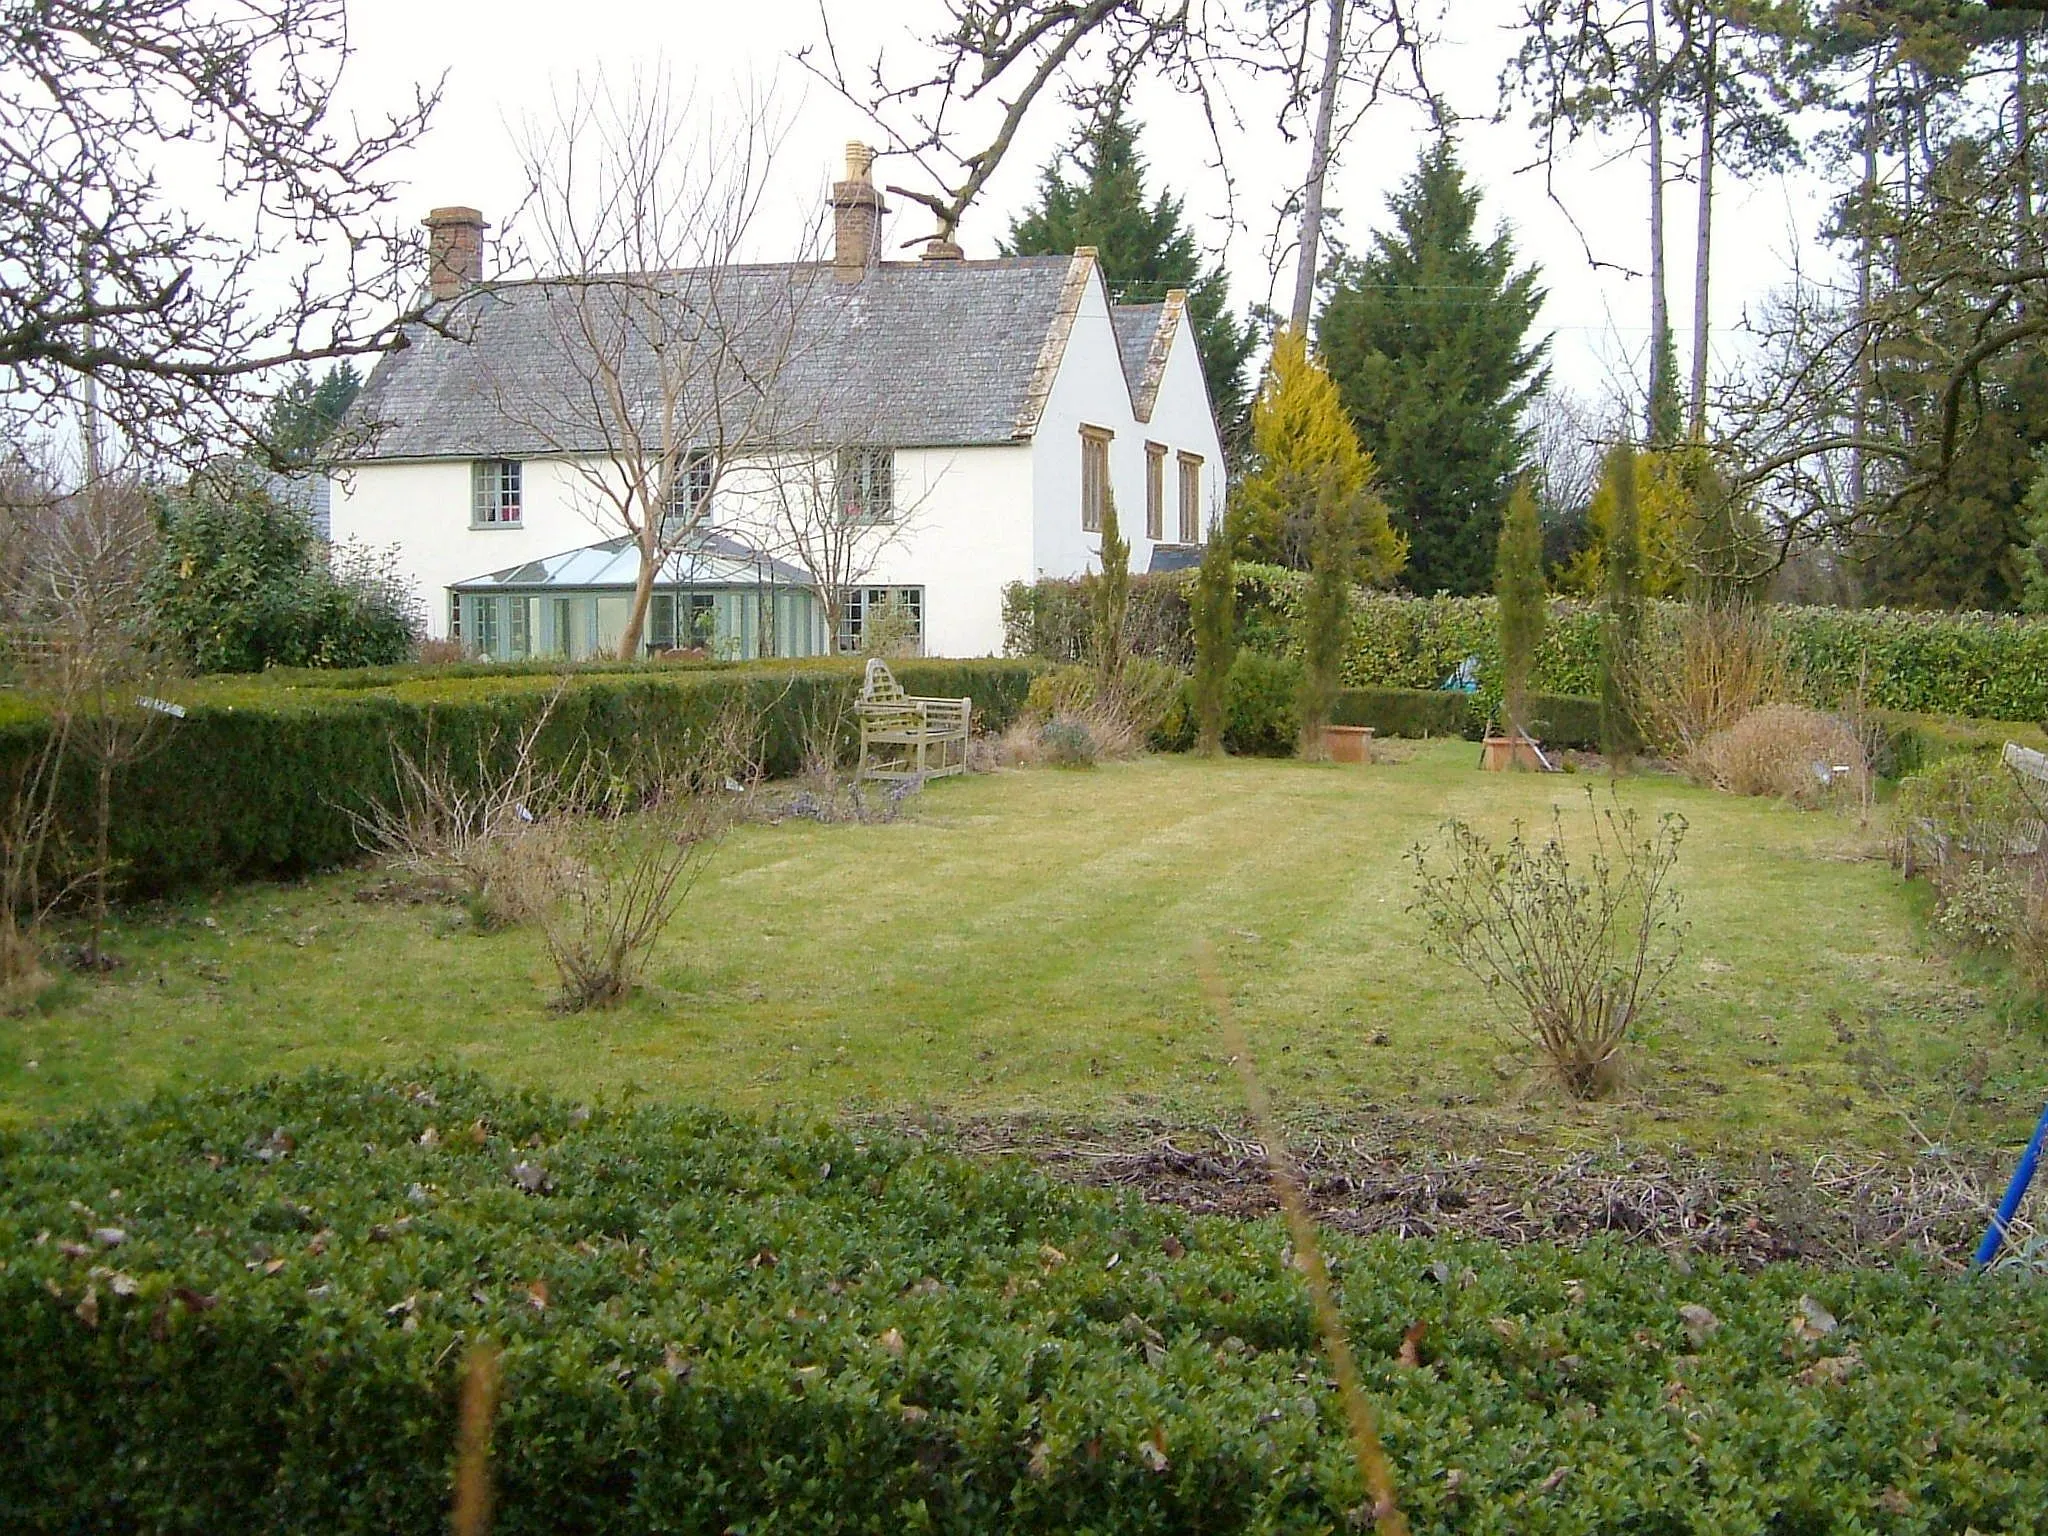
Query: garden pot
(1348,743)
(1500,753)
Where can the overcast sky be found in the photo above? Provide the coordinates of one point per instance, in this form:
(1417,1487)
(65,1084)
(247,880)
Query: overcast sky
(505,60)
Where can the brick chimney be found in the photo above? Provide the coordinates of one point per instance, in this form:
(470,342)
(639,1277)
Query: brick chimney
(455,250)
(857,211)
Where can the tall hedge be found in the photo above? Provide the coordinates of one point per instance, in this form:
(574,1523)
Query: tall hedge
(248,1311)
(260,775)
(1982,666)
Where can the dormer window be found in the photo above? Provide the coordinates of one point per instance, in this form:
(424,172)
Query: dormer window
(865,481)
(494,492)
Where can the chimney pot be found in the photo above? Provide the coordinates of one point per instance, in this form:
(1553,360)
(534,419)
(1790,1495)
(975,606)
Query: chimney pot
(938,248)
(857,210)
(455,250)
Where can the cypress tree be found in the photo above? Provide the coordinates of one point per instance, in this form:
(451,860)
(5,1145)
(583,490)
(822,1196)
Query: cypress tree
(1620,738)
(1518,583)
(1112,597)
(1326,608)
(1145,248)
(1426,337)
(1214,601)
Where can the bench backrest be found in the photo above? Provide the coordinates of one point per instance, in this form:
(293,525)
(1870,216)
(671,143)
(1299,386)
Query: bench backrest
(879,686)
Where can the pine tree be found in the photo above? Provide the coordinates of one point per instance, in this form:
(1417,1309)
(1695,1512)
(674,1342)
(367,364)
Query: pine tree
(1621,644)
(1144,248)
(1427,339)
(1518,583)
(1305,452)
(1214,602)
(1112,597)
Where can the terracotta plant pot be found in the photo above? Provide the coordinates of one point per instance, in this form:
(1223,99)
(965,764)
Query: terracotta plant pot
(1348,743)
(1501,753)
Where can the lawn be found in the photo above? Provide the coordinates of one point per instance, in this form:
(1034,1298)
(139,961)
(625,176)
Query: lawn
(1020,945)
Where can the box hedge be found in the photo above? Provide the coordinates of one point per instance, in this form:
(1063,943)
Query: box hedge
(258,777)
(1984,666)
(248,1310)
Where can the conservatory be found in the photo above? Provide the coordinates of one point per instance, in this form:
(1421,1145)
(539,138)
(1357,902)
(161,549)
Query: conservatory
(713,594)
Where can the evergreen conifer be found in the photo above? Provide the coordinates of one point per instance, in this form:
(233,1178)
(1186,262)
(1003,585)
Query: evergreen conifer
(1304,453)
(1427,338)
(1518,583)
(1620,737)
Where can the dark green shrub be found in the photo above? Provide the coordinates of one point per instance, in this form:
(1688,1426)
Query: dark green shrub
(714,1325)
(1214,612)
(1518,586)
(1407,711)
(241,583)
(259,777)
(1259,712)
(1622,636)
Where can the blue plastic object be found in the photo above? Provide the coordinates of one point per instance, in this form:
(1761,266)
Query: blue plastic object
(2015,1192)
(1463,679)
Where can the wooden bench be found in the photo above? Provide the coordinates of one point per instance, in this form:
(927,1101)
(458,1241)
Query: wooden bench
(908,738)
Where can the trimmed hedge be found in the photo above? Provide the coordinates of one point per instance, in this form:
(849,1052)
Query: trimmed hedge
(258,778)
(1984,666)
(247,1310)
(1560,720)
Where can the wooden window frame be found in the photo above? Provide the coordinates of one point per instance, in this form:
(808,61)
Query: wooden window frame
(1155,492)
(864,485)
(497,493)
(1095,487)
(1190,499)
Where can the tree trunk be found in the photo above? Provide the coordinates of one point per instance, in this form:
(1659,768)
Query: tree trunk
(1703,249)
(1660,312)
(1866,256)
(643,590)
(1318,172)
(2023,137)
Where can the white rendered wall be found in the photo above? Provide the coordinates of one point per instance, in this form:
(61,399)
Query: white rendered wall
(1090,390)
(1183,419)
(966,534)
(963,531)
(423,509)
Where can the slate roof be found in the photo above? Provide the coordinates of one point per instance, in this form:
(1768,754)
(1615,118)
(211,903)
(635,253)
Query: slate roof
(914,354)
(1135,326)
(711,560)
(1174,557)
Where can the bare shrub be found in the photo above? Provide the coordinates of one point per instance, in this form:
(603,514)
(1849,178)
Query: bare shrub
(472,834)
(1569,948)
(627,855)
(1118,717)
(441,653)
(1796,754)
(1724,662)
(28,825)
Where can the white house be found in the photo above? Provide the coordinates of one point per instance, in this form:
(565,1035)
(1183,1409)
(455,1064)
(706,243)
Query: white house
(970,416)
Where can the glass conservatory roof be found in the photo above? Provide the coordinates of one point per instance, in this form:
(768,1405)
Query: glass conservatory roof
(708,560)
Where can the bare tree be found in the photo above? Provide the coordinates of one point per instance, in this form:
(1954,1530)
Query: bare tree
(992,62)
(833,510)
(667,351)
(149,293)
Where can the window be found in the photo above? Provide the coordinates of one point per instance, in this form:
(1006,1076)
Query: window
(1191,498)
(454,616)
(1155,490)
(522,626)
(485,612)
(865,480)
(1094,477)
(689,494)
(494,493)
(863,601)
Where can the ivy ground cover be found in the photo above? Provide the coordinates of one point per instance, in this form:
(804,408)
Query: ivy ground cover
(250,1310)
